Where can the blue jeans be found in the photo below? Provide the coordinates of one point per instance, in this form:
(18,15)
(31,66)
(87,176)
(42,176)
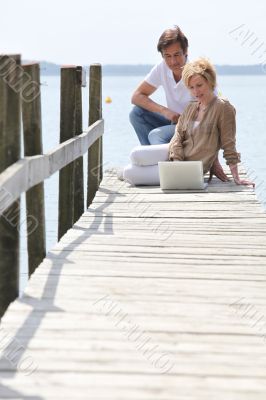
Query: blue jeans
(150,127)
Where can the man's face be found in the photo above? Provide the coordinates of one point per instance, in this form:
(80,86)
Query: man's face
(174,57)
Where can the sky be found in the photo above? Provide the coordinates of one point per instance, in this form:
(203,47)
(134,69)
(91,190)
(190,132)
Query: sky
(126,32)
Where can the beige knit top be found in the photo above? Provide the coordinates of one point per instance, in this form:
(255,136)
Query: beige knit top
(217,130)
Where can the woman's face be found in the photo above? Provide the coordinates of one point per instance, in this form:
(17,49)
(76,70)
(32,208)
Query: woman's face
(200,88)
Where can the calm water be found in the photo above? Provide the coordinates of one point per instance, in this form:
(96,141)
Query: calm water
(246,93)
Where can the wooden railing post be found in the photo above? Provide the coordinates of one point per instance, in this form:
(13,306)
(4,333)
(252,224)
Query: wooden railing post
(10,74)
(78,163)
(32,133)
(71,204)
(95,113)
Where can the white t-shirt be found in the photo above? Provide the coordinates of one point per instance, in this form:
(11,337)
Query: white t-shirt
(177,95)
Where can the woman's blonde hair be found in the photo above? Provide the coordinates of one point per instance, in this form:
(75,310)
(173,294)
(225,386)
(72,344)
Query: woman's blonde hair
(202,67)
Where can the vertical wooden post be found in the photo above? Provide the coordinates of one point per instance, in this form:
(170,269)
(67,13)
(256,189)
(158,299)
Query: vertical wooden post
(71,197)
(67,130)
(32,133)
(10,92)
(95,113)
(78,163)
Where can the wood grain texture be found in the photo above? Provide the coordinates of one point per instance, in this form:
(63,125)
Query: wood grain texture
(150,296)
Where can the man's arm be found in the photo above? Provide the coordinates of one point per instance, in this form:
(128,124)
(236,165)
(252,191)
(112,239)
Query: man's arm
(141,98)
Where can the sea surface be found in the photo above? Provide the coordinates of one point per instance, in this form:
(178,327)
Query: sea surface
(246,93)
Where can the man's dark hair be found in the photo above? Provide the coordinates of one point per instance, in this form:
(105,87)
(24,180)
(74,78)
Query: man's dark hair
(171,36)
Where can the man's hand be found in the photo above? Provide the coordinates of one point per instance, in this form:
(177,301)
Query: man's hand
(171,115)
(217,170)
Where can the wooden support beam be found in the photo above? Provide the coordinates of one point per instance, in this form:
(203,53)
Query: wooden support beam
(78,163)
(71,187)
(32,134)
(10,94)
(95,113)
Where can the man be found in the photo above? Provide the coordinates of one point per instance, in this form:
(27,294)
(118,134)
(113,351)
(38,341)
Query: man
(153,122)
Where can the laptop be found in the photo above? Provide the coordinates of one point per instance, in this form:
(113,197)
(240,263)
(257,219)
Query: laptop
(181,175)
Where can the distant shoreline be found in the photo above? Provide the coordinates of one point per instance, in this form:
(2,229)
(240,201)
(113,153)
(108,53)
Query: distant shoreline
(48,68)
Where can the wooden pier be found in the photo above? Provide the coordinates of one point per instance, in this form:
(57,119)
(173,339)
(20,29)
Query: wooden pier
(147,295)
(150,296)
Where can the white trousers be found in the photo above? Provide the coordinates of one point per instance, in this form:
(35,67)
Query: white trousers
(144,168)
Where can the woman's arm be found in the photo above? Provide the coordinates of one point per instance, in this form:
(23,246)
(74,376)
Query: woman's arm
(176,151)
(227,129)
(217,170)
(227,126)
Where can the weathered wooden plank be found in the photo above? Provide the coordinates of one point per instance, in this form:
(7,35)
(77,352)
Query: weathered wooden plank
(91,267)
(106,228)
(135,386)
(104,196)
(110,340)
(180,206)
(176,241)
(227,364)
(162,250)
(109,306)
(150,261)
(142,323)
(71,256)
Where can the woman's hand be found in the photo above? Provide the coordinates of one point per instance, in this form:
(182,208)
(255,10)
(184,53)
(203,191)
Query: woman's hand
(238,181)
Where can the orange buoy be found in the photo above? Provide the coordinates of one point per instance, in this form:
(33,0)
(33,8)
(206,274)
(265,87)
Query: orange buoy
(108,99)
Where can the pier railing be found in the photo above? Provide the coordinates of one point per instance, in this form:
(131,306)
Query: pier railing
(20,100)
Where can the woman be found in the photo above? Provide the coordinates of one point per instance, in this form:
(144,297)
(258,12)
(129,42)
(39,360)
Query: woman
(206,126)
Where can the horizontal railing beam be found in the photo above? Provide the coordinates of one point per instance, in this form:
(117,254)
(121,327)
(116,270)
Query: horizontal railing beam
(29,171)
